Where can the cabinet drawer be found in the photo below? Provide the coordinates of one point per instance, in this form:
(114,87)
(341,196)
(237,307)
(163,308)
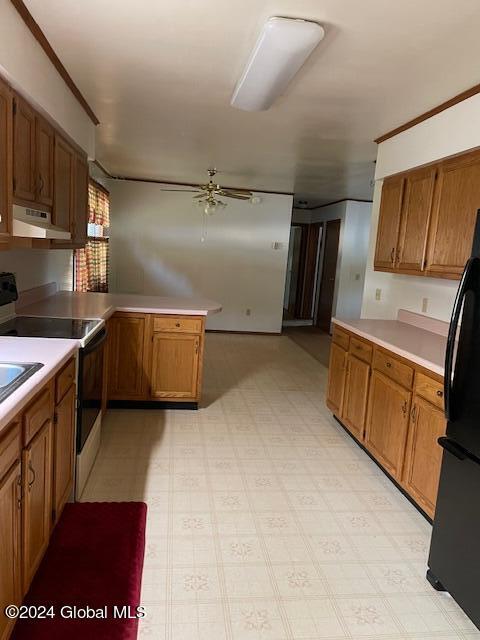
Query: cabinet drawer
(10,447)
(429,389)
(361,350)
(39,411)
(177,324)
(393,368)
(341,338)
(64,380)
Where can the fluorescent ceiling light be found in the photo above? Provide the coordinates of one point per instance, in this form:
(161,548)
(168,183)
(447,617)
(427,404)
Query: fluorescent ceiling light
(282,48)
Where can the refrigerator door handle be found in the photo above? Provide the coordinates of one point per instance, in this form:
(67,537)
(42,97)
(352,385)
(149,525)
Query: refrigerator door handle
(452,335)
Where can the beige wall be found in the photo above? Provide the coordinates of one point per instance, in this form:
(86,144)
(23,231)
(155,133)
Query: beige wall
(24,64)
(156,248)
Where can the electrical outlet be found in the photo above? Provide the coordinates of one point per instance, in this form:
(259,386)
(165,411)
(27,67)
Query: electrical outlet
(248,312)
(424,305)
(357,277)
(378,294)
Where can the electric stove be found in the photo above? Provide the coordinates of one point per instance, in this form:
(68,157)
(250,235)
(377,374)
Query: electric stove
(33,327)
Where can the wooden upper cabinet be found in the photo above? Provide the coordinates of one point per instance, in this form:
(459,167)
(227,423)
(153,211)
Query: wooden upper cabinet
(45,144)
(387,423)
(336,378)
(356,395)
(415,219)
(63,184)
(80,207)
(457,200)
(24,134)
(5,159)
(423,458)
(126,356)
(389,223)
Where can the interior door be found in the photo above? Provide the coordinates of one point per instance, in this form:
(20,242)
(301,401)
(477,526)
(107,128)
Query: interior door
(309,270)
(329,272)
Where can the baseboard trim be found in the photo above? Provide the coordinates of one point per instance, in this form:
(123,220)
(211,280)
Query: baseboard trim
(151,404)
(399,487)
(247,333)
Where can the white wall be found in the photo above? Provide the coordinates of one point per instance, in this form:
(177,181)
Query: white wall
(352,253)
(25,65)
(452,131)
(156,248)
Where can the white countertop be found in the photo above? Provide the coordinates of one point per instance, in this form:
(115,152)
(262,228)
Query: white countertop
(71,304)
(53,353)
(425,348)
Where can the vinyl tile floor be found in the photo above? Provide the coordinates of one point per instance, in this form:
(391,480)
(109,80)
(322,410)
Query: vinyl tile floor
(265,520)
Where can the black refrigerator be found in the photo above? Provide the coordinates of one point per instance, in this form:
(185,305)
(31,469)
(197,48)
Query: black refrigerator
(454,560)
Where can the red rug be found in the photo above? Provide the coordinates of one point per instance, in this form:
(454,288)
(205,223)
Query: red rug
(95,560)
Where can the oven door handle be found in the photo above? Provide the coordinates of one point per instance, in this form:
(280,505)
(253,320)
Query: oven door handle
(99,338)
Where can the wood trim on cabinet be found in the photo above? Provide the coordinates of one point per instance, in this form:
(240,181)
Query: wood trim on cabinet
(460,97)
(40,37)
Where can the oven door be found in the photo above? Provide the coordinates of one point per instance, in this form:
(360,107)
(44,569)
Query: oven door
(90,386)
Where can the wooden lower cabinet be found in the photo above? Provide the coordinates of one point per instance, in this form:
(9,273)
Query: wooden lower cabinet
(336,378)
(355,399)
(10,547)
(387,422)
(126,356)
(63,451)
(37,475)
(175,366)
(153,357)
(423,457)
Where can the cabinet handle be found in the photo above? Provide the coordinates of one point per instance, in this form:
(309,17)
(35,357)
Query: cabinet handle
(196,346)
(30,468)
(414,413)
(404,408)
(19,492)
(389,364)
(392,255)
(41,185)
(440,393)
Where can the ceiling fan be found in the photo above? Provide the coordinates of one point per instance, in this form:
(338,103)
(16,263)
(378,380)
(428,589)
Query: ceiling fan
(209,194)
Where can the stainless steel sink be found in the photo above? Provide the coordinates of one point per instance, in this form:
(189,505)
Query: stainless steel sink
(14,374)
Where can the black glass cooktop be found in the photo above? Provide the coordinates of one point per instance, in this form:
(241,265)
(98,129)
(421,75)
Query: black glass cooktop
(29,327)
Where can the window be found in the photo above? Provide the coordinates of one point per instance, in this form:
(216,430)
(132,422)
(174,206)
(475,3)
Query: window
(91,263)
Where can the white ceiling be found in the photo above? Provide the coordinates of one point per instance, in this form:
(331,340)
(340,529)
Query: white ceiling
(159,74)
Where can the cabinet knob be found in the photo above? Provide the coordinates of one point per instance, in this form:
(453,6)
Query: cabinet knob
(440,393)
(177,324)
(389,364)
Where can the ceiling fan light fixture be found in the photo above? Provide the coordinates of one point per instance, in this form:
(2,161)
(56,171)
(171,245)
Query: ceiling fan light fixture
(280,51)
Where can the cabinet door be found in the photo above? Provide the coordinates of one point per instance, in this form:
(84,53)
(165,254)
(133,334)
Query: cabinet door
(23,151)
(37,505)
(5,159)
(416,210)
(63,451)
(10,576)
(356,395)
(424,455)
(45,144)
(336,379)
(126,348)
(386,433)
(64,177)
(175,366)
(457,199)
(389,223)
(80,208)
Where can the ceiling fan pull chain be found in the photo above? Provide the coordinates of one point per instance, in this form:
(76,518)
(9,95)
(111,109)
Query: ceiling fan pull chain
(204,228)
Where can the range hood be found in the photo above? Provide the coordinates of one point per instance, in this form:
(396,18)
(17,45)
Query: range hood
(31,223)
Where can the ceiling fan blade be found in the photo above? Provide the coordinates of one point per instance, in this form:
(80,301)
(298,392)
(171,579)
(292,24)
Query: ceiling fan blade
(200,195)
(181,190)
(237,196)
(238,192)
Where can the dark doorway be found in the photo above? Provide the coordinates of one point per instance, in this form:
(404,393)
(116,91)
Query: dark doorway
(328,275)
